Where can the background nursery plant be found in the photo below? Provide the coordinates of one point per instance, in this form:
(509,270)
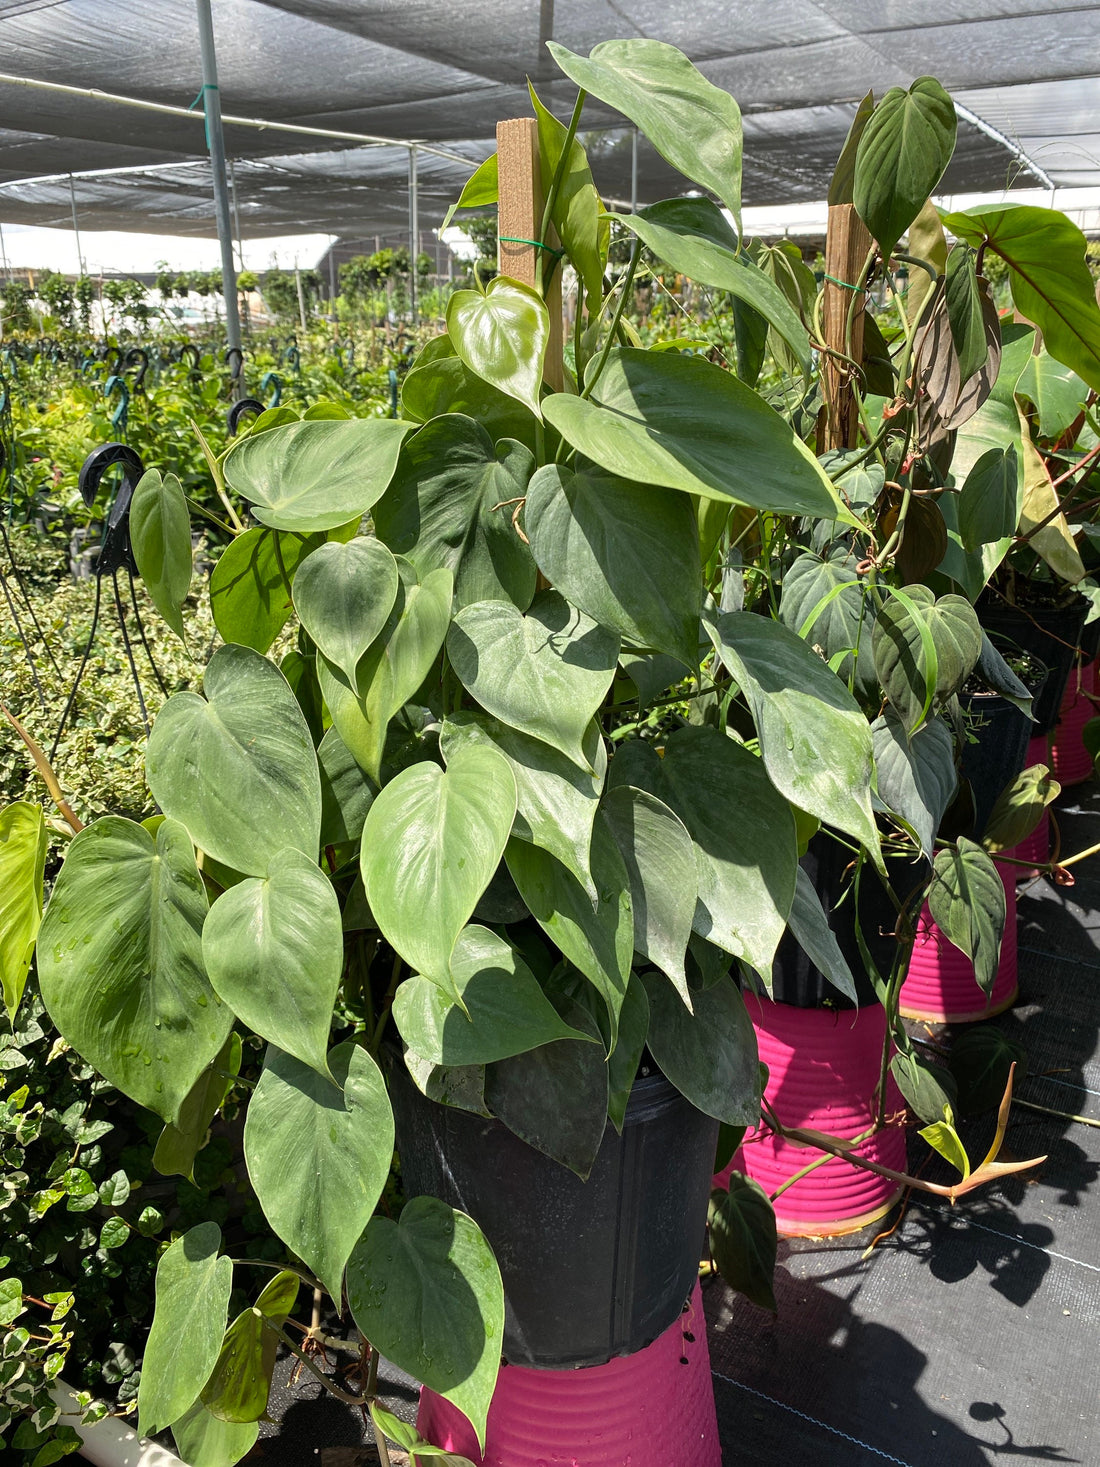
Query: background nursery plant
(525,803)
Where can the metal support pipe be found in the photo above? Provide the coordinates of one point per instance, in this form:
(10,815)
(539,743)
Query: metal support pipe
(414,232)
(76,227)
(216,143)
(236,214)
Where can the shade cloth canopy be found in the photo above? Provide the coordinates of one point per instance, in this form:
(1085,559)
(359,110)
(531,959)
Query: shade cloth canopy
(442,74)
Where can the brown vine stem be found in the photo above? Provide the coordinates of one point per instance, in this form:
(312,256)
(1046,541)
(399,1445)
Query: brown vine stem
(45,769)
(326,1381)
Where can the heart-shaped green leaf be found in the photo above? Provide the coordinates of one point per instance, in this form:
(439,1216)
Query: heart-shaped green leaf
(1051,284)
(274,950)
(693,124)
(916,776)
(23,846)
(204,1441)
(710,1056)
(179,1144)
(238,767)
(743,1239)
(501,336)
(556,798)
(431,843)
(120,961)
(990,499)
(393,668)
(346,793)
(660,865)
(599,940)
(1057,393)
(444,384)
(343,595)
(746,854)
(964,312)
(910,677)
(248,594)
(545,673)
(319,1153)
(926,1088)
(555,1098)
(694,239)
(624,553)
(814,738)
(238,1388)
(316,475)
(426,1292)
(503,1010)
(160,534)
(823,601)
(967,902)
(452,502)
(902,154)
(193,1285)
(1019,808)
(682,423)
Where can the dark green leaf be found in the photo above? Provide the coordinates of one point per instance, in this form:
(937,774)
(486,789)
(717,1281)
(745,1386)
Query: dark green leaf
(192,1299)
(811,930)
(346,793)
(274,950)
(967,902)
(555,1098)
(545,673)
(980,1060)
(160,534)
(318,475)
(710,1056)
(926,1087)
(623,1062)
(909,680)
(1057,393)
(599,939)
(964,311)
(446,385)
(1051,284)
(319,1153)
(843,179)
(682,423)
(743,1239)
(503,1010)
(426,1292)
(624,553)
(693,124)
(916,776)
(431,843)
(990,499)
(120,961)
(451,503)
(238,767)
(578,214)
(904,149)
(660,865)
(823,601)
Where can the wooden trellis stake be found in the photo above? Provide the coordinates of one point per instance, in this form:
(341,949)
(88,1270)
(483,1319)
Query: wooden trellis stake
(519,217)
(846,246)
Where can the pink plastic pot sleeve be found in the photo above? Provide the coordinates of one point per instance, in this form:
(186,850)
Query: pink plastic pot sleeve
(652,1409)
(1070,760)
(940,986)
(823,1070)
(1035,850)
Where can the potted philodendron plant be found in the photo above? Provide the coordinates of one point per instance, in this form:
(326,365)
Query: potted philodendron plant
(492,791)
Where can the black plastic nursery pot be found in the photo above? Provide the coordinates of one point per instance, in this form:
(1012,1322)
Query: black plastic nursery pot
(795,978)
(1001,733)
(1053,634)
(593,1269)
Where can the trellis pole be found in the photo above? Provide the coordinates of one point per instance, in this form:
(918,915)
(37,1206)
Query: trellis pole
(847,243)
(519,219)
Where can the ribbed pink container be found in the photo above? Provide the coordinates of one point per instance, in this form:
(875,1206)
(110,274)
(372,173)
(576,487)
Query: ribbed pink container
(1070,760)
(652,1409)
(1035,850)
(940,986)
(823,1069)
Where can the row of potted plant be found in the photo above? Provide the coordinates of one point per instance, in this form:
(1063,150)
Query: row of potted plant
(502,857)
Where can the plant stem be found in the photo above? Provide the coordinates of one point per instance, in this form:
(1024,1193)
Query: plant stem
(542,278)
(1063,1115)
(326,1381)
(372,1386)
(813,1165)
(626,284)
